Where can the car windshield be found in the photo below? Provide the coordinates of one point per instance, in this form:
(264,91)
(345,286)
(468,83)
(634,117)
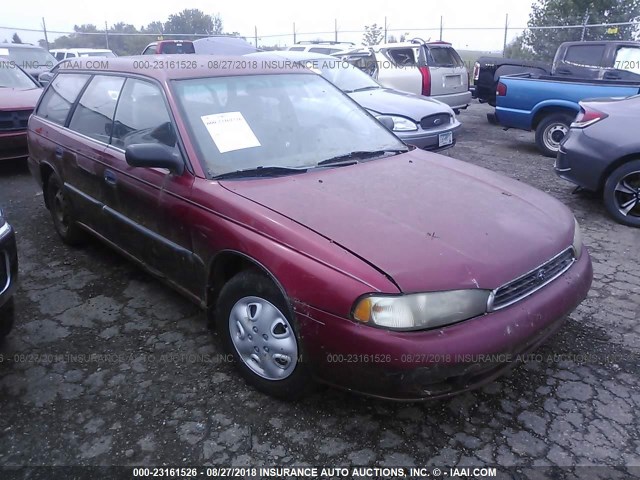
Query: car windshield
(29,58)
(343,75)
(12,77)
(293,121)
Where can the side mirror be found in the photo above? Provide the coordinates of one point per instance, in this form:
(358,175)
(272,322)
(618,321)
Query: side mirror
(154,155)
(44,78)
(386,121)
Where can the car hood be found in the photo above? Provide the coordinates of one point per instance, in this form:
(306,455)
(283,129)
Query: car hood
(392,102)
(19,98)
(427,221)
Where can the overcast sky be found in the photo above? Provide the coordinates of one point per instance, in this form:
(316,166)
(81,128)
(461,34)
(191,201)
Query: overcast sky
(277,16)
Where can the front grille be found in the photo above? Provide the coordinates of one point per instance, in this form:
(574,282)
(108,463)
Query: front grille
(435,121)
(14,120)
(533,281)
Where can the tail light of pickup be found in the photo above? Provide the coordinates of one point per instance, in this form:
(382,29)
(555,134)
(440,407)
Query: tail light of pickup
(587,116)
(426,81)
(501,89)
(476,71)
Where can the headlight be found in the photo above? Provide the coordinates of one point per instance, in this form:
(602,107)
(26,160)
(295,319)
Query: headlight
(577,239)
(401,124)
(421,310)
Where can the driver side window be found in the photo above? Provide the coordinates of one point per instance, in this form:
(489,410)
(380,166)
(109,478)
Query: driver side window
(142,117)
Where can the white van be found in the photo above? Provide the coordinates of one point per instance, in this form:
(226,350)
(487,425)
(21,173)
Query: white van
(64,53)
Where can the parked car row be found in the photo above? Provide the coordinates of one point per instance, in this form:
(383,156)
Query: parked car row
(583,113)
(432,69)
(327,241)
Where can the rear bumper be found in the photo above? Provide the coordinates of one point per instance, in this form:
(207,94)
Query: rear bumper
(583,161)
(455,100)
(13,145)
(442,362)
(8,269)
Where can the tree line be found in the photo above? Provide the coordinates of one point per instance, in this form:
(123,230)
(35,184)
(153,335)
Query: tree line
(189,21)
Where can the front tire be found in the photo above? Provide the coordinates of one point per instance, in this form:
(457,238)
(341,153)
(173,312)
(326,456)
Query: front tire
(621,194)
(551,131)
(254,322)
(64,220)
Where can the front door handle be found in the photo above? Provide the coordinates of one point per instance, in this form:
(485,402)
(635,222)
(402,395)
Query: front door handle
(59,152)
(110,178)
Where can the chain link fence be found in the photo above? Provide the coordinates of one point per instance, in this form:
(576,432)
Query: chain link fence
(471,42)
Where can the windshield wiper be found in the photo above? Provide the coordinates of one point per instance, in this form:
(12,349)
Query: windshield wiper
(261,171)
(353,157)
(362,89)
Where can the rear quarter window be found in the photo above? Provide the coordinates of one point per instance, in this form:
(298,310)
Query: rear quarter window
(444,57)
(403,56)
(589,55)
(60,97)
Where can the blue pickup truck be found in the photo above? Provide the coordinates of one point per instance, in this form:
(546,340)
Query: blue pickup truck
(548,105)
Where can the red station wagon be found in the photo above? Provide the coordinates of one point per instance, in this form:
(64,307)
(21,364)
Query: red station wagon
(324,248)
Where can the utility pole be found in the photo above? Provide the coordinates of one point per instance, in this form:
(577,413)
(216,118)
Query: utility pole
(440,27)
(44,27)
(106,33)
(584,25)
(385,29)
(506,30)
(256,35)
(294,33)
(335,26)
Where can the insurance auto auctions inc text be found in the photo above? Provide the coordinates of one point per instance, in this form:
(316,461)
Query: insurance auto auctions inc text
(377,472)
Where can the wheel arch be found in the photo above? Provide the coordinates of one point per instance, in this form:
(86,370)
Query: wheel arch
(46,170)
(543,112)
(228,263)
(613,166)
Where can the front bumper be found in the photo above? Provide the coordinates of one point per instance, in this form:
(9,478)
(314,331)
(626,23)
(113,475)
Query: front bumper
(429,139)
(440,362)
(13,145)
(8,270)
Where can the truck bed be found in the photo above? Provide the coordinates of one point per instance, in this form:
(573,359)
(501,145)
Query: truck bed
(528,96)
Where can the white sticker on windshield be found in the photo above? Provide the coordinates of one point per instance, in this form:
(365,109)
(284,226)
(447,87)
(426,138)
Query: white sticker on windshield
(230,131)
(4,52)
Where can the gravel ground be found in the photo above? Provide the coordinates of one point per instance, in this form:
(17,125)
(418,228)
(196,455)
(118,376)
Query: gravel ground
(157,391)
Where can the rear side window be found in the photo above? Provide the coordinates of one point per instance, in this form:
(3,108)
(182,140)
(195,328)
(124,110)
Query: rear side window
(174,48)
(60,96)
(296,49)
(628,58)
(444,57)
(60,56)
(589,55)
(142,116)
(403,56)
(93,116)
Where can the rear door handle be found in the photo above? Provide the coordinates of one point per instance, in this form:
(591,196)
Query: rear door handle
(59,152)
(110,178)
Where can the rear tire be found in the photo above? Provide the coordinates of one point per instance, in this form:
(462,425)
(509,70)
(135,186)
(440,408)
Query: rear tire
(6,319)
(64,220)
(621,194)
(255,325)
(550,132)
